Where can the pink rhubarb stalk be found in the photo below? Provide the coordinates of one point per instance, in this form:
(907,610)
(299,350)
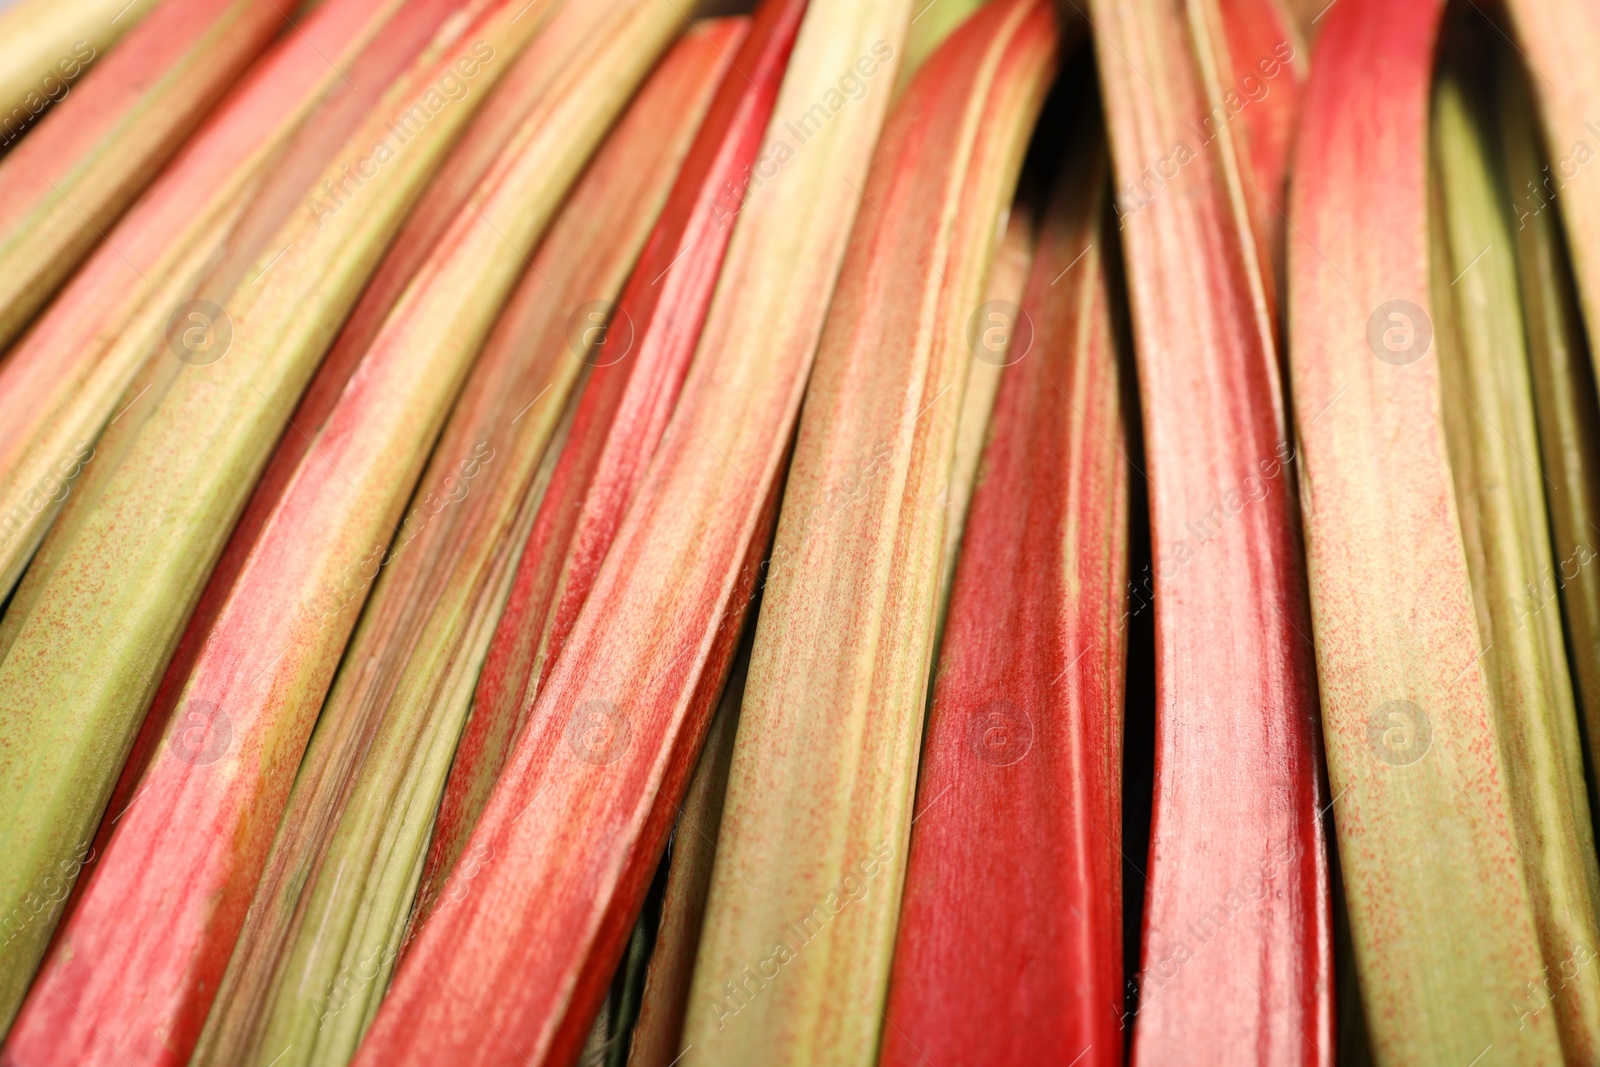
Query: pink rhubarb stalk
(1237,949)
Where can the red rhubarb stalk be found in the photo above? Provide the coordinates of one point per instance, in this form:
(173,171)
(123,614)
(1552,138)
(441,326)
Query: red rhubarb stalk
(1237,948)
(1022,764)
(620,418)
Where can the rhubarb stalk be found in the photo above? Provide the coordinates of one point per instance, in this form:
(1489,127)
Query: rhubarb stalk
(516,970)
(69,181)
(224,260)
(1568,408)
(1237,946)
(64,379)
(1440,915)
(1487,399)
(793,965)
(37,35)
(1022,766)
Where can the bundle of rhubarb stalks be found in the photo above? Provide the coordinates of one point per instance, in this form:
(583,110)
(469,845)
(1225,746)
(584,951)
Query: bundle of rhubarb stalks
(923,532)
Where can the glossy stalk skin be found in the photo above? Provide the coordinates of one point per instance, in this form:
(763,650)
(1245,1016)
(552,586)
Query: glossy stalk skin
(824,770)
(112,593)
(578,820)
(66,377)
(228,259)
(1237,961)
(1440,914)
(330,912)
(1567,404)
(657,1034)
(621,416)
(1022,766)
(69,181)
(1487,397)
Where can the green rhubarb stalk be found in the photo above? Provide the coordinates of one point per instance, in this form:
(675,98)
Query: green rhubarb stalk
(86,645)
(316,954)
(1566,402)
(1487,397)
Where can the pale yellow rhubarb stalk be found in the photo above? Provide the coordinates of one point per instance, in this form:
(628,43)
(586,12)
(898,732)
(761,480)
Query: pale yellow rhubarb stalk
(1487,398)
(819,799)
(1002,325)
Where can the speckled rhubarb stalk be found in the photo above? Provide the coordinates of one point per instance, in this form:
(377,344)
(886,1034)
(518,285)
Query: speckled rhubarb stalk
(67,375)
(1440,915)
(1022,766)
(620,418)
(1487,398)
(69,181)
(1237,947)
(515,971)
(1259,65)
(794,964)
(316,953)
(108,607)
